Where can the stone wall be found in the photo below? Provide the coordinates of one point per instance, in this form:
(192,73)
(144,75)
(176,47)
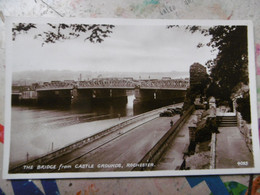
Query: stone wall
(245,129)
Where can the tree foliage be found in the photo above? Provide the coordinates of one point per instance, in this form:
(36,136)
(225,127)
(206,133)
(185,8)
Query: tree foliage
(231,65)
(21,28)
(95,33)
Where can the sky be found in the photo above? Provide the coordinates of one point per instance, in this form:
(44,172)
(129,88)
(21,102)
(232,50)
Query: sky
(149,48)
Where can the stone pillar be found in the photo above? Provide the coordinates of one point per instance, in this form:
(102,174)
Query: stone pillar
(192,130)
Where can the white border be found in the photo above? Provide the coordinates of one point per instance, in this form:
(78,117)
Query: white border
(253,96)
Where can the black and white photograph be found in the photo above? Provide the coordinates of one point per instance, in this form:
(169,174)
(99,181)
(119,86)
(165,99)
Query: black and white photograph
(129,98)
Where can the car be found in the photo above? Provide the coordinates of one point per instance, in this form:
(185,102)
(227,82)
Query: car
(171,110)
(178,110)
(166,113)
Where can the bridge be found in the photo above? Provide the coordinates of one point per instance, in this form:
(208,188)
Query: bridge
(106,90)
(112,90)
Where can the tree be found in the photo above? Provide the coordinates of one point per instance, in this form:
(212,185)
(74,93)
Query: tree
(95,33)
(231,65)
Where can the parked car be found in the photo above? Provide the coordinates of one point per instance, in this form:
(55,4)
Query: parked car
(172,110)
(178,110)
(166,113)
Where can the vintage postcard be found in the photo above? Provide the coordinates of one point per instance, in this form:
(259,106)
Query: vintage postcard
(92,98)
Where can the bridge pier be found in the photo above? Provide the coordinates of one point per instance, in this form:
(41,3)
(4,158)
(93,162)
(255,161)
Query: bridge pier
(81,97)
(98,96)
(16,99)
(155,98)
(54,97)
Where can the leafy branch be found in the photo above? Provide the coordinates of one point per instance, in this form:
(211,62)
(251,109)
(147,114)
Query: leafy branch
(58,32)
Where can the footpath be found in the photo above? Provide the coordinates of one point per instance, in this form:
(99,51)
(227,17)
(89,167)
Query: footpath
(231,149)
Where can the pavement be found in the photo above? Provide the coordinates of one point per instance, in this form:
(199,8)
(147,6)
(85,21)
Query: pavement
(231,149)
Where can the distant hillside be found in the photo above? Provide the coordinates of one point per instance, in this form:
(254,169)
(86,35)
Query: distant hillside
(28,77)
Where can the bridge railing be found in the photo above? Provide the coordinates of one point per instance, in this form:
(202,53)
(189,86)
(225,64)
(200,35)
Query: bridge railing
(116,83)
(61,85)
(164,84)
